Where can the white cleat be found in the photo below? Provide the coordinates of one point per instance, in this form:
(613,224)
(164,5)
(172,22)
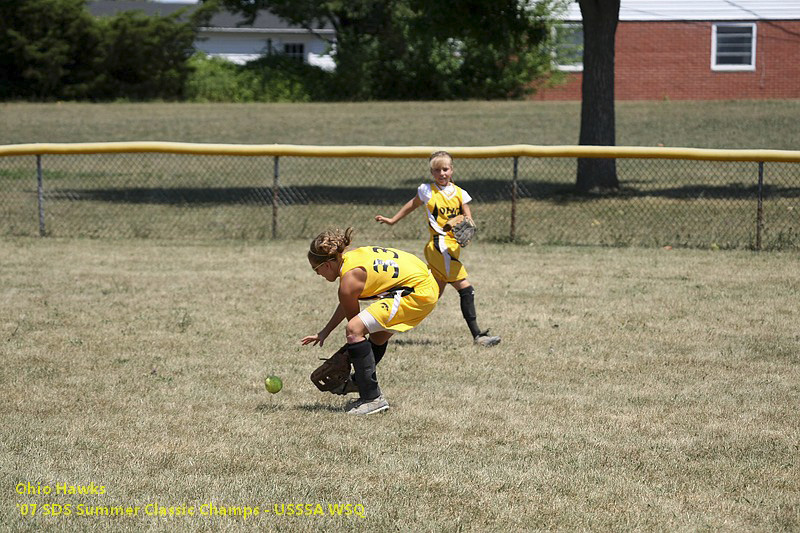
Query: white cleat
(484,339)
(369,407)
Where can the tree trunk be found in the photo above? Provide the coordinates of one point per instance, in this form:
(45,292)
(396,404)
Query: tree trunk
(597,107)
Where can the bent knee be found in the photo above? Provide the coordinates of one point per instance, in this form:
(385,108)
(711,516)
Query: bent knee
(355,330)
(461,284)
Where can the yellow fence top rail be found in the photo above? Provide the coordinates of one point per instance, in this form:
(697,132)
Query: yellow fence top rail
(476,152)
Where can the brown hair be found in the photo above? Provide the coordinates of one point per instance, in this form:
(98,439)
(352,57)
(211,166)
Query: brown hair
(329,245)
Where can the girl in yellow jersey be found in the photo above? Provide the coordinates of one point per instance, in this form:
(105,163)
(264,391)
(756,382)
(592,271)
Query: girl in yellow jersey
(443,200)
(404,291)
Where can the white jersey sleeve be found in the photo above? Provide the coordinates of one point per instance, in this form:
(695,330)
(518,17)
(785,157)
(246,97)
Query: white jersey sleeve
(465,197)
(424,193)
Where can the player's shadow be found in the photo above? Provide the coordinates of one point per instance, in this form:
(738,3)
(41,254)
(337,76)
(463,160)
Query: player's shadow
(320,408)
(267,408)
(413,342)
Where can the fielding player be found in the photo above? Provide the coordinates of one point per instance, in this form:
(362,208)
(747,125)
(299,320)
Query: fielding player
(443,200)
(405,293)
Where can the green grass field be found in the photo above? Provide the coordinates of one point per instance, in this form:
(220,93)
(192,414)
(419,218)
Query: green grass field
(635,389)
(722,124)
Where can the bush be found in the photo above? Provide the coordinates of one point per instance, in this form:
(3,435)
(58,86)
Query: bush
(285,79)
(216,80)
(268,79)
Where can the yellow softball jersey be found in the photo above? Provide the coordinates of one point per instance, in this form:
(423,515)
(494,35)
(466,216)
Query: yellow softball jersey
(387,269)
(400,282)
(442,251)
(442,204)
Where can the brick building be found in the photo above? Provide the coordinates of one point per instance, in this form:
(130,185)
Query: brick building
(692,50)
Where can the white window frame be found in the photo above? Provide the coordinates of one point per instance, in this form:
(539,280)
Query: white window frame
(753,40)
(576,67)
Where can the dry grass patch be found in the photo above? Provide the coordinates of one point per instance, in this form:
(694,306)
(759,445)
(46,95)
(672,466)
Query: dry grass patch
(633,389)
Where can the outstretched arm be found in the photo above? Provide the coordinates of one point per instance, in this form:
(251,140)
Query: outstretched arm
(335,320)
(406,209)
(350,287)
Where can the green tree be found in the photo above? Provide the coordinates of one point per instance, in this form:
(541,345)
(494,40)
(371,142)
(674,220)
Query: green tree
(416,49)
(49,49)
(54,49)
(145,57)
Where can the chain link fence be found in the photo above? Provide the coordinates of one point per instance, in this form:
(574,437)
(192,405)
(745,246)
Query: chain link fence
(662,202)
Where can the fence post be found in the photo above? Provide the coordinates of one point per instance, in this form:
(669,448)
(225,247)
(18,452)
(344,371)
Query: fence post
(40,194)
(513,235)
(276,175)
(760,209)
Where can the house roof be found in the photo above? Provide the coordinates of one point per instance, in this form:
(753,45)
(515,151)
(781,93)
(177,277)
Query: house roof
(264,21)
(662,10)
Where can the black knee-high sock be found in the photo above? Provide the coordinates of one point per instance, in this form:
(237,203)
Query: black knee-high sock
(468,309)
(378,350)
(364,366)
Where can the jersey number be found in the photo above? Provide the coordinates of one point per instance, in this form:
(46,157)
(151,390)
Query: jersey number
(386,264)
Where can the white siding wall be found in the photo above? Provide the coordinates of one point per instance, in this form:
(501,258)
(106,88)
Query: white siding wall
(243,46)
